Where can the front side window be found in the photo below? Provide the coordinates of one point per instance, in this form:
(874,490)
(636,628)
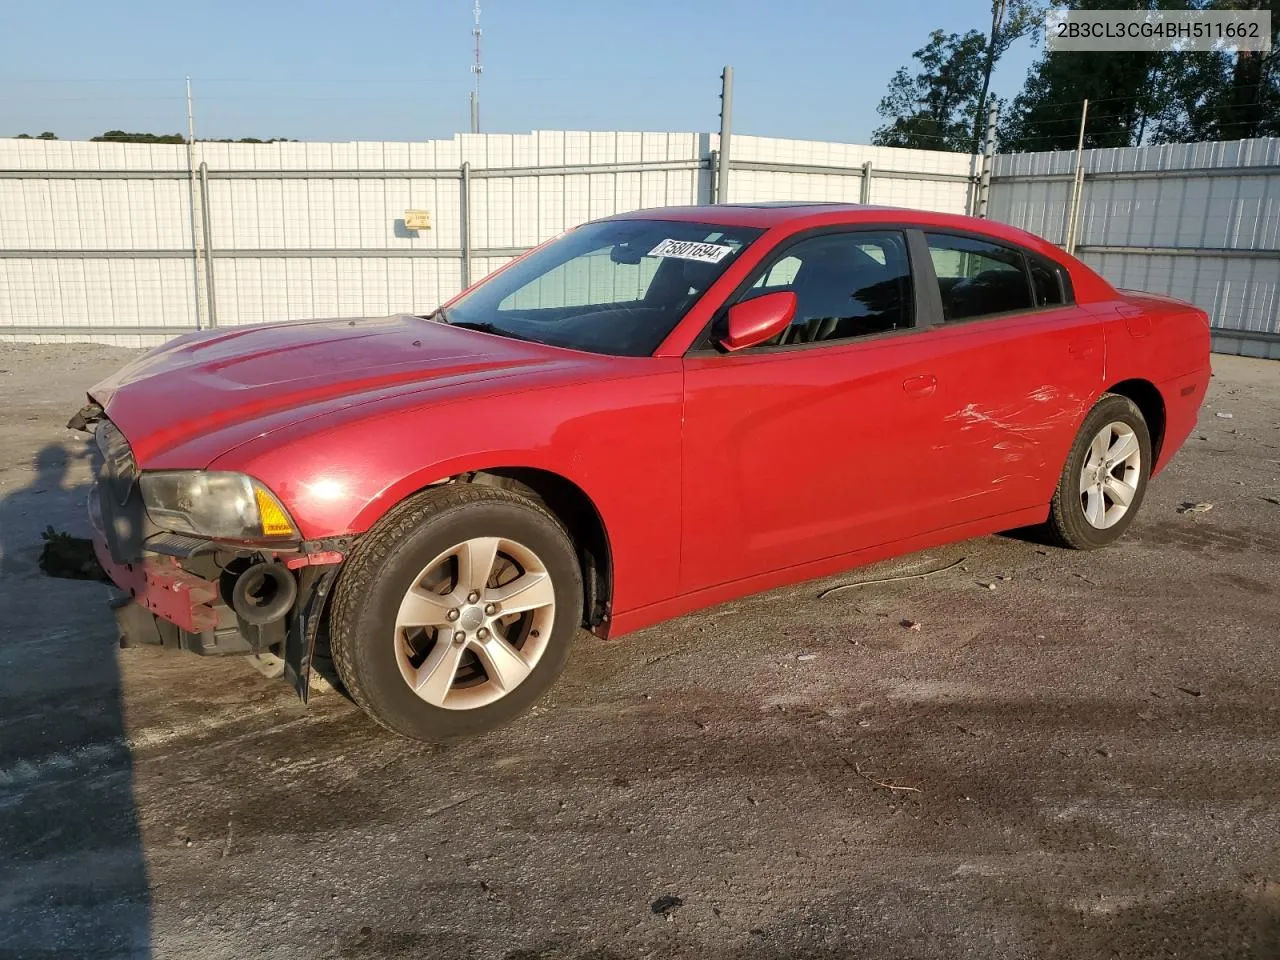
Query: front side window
(846,285)
(977,278)
(617,287)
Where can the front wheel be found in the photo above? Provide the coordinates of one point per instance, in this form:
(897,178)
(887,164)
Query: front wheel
(1105,476)
(456,612)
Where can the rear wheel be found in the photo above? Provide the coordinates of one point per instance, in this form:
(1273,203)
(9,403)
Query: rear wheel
(1105,476)
(456,612)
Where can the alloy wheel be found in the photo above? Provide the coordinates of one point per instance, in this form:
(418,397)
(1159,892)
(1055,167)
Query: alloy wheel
(474,623)
(1110,474)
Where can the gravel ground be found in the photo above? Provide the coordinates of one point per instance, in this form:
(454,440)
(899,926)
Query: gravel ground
(1083,761)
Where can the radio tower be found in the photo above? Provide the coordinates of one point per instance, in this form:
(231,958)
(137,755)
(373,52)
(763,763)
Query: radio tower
(476,69)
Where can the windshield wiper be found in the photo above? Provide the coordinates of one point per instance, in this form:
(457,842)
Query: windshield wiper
(440,316)
(484,327)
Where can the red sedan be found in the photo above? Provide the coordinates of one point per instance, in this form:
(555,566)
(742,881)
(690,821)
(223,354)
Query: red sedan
(650,414)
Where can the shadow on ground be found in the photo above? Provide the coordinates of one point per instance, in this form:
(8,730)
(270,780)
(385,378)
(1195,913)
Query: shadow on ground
(73,879)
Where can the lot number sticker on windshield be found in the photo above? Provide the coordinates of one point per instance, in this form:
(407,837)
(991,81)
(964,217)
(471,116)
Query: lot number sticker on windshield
(691,250)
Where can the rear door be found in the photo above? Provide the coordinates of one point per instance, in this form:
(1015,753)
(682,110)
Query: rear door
(1018,365)
(820,443)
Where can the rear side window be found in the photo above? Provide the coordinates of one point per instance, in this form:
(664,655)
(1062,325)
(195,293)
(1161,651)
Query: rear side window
(977,278)
(1046,281)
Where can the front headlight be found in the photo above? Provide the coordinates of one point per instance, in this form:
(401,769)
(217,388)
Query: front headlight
(224,506)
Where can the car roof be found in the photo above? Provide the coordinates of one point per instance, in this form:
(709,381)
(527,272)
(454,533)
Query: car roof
(799,215)
(765,214)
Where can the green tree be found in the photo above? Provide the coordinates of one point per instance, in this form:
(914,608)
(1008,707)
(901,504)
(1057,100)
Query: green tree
(944,105)
(1246,100)
(935,108)
(1194,84)
(1127,92)
(120,136)
(1010,20)
(1147,97)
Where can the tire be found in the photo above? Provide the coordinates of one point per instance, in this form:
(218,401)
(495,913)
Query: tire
(403,570)
(1083,515)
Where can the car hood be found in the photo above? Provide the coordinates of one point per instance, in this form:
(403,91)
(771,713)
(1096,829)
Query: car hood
(276,374)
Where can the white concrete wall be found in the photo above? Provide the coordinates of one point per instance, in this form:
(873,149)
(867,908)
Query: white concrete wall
(1200,197)
(746,186)
(67,215)
(316,228)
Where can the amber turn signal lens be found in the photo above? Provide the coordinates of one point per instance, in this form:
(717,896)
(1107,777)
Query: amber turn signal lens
(275,522)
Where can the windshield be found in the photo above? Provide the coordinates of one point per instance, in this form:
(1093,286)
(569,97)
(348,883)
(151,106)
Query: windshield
(616,287)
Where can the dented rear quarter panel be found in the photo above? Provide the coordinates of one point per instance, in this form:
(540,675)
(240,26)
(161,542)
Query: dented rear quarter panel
(1016,390)
(1165,342)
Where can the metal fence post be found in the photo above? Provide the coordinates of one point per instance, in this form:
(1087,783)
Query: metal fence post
(988,157)
(210,295)
(191,199)
(1077,184)
(726,133)
(864,195)
(464,222)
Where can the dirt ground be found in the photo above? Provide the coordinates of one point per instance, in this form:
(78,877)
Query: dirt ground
(1081,762)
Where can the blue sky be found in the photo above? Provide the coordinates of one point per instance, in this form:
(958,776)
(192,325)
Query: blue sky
(398,69)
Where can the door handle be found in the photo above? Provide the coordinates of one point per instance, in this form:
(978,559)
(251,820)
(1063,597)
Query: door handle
(920,386)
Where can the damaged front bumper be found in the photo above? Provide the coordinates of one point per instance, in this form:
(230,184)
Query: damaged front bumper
(157,583)
(192,593)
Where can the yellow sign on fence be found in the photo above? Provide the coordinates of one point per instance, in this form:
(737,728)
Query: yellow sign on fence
(417,219)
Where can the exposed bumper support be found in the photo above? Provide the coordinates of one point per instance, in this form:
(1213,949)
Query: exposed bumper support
(136,625)
(162,587)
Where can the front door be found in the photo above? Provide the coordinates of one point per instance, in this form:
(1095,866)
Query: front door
(817,444)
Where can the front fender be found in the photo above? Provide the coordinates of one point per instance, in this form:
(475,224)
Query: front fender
(617,440)
(489,461)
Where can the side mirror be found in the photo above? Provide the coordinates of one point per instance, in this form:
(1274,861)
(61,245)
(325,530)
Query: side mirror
(759,319)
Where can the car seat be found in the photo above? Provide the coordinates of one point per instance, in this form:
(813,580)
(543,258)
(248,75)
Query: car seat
(825,286)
